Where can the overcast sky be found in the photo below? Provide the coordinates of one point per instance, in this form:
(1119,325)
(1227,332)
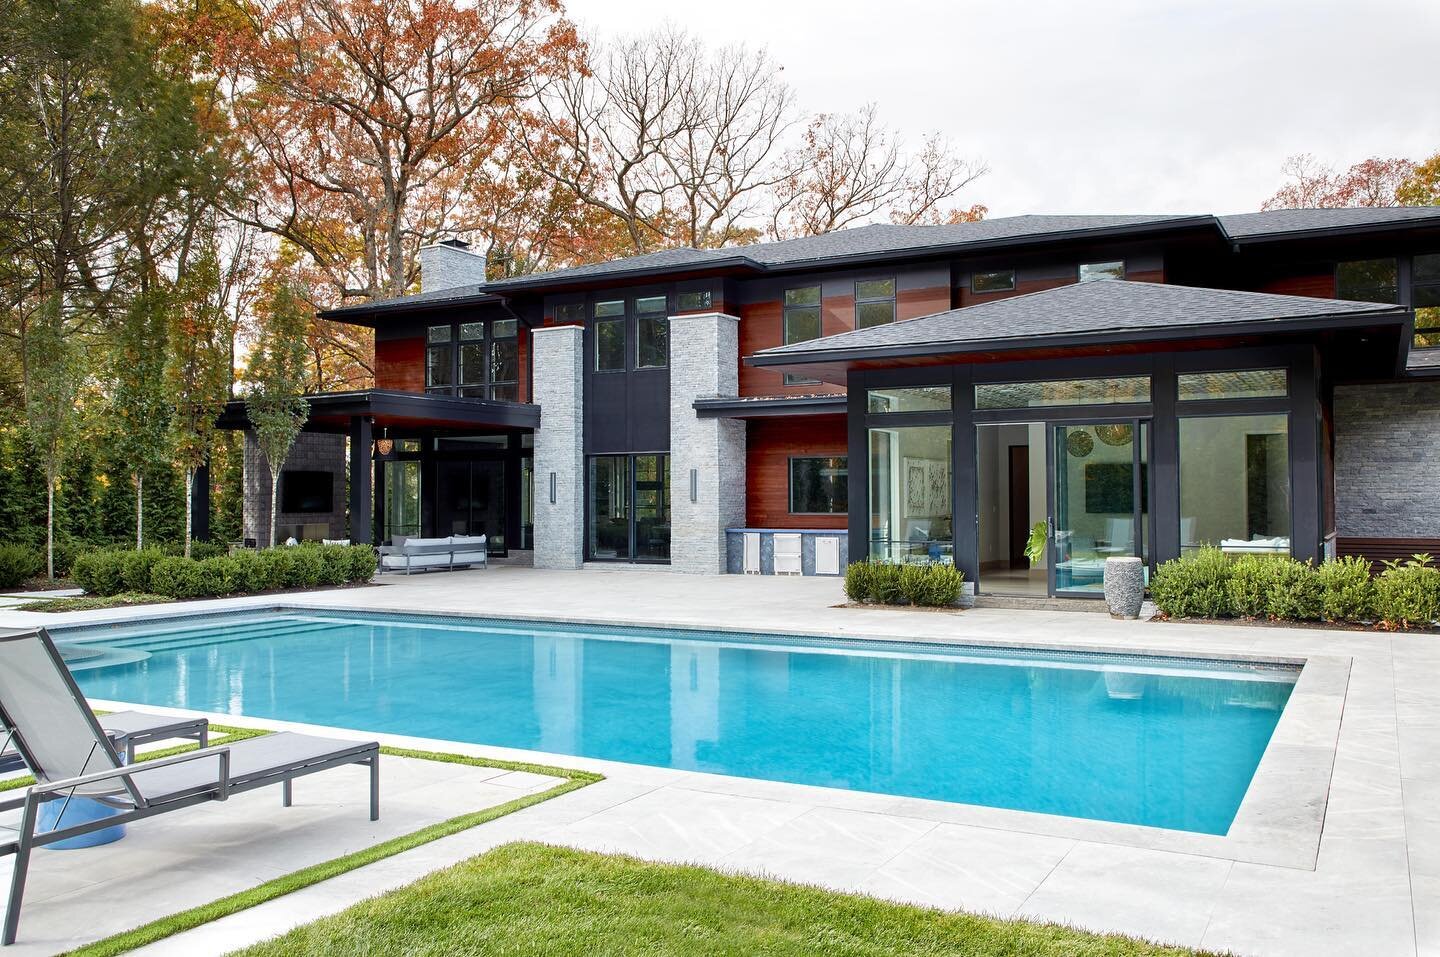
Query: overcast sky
(1104,106)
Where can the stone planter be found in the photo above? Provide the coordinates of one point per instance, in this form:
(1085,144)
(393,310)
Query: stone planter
(1124,586)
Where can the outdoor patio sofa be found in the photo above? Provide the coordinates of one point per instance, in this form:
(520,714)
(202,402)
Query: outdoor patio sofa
(73,758)
(432,554)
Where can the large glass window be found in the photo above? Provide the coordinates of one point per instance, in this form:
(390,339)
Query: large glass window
(402,501)
(472,359)
(1243,384)
(570,314)
(652,508)
(1425,297)
(694,301)
(925,398)
(1235,483)
(1089,272)
(1368,280)
(801,322)
(439,359)
(1025,395)
(610,336)
(1101,500)
(504,360)
(910,494)
(874,302)
(609,507)
(819,485)
(652,333)
(996,280)
(629,514)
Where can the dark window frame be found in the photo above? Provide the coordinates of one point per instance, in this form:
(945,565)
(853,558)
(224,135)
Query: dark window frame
(842,501)
(663,317)
(785,309)
(1014,280)
(893,299)
(1429,336)
(1340,292)
(1080,269)
(623,321)
(483,387)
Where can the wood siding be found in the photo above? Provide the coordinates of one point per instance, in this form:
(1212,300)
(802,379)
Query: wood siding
(770,443)
(1025,286)
(762,327)
(1317,285)
(400,364)
(1377,550)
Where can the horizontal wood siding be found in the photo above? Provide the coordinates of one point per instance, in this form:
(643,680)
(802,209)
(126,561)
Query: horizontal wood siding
(1025,286)
(762,327)
(769,445)
(1319,285)
(400,364)
(1377,550)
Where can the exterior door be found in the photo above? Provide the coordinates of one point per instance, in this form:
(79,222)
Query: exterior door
(1099,501)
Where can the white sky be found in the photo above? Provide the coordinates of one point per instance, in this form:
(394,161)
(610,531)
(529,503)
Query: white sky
(1103,106)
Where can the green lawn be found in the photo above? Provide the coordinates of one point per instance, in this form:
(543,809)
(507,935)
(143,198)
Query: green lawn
(533,899)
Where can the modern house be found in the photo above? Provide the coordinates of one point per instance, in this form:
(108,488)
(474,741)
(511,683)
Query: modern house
(1111,385)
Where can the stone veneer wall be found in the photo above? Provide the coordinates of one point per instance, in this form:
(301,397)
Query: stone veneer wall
(559,366)
(704,363)
(312,452)
(1387,460)
(445,267)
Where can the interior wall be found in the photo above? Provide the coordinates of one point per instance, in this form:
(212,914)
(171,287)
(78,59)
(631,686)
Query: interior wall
(993,444)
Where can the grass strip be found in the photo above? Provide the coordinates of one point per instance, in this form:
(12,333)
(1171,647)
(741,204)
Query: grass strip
(229,736)
(315,873)
(528,898)
(92,602)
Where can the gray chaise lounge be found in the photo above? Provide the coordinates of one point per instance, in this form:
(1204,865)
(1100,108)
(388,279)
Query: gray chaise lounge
(72,757)
(128,730)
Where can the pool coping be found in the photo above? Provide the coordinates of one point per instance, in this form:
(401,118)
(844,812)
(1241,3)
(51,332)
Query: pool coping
(1279,821)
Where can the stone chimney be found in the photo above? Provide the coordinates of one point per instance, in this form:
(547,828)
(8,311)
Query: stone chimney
(450,263)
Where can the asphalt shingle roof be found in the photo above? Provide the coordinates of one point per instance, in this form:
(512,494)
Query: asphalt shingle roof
(1080,309)
(1278,222)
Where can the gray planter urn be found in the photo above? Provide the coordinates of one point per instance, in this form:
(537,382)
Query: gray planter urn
(1124,586)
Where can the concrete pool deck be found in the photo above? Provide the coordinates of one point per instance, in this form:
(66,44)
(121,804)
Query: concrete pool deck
(1358,772)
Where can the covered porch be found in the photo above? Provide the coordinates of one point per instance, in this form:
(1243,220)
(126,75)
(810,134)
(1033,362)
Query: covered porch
(376,465)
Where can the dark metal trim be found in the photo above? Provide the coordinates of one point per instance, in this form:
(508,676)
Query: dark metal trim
(770,407)
(483,413)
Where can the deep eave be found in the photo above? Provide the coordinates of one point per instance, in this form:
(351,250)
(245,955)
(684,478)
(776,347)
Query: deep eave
(332,412)
(762,407)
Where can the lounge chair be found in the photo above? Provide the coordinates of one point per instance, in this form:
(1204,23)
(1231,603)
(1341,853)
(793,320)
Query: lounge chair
(127,730)
(72,757)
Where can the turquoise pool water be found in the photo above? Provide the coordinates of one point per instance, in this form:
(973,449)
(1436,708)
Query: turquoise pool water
(1156,741)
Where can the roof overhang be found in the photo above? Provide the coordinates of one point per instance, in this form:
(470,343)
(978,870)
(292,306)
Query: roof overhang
(373,313)
(334,412)
(1385,335)
(764,407)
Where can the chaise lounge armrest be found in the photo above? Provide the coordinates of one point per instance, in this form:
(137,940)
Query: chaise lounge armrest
(55,787)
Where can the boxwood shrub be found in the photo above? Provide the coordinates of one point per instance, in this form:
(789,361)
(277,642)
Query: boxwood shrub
(245,572)
(18,564)
(1209,584)
(933,585)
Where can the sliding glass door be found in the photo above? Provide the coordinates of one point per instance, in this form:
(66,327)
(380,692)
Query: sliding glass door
(628,507)
(1099,501)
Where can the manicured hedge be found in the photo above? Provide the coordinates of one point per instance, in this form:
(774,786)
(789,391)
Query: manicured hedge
(19,563)
(1210,584)
(888,583)
(245,572)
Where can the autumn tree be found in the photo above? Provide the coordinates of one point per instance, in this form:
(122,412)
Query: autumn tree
(1422,188)
(197,371)
(139,409)
(676,142)
(1312,184)
(850,169)
(359,112)
(276,403)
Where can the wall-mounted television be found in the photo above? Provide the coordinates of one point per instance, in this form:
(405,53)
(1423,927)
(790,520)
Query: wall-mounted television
(302,491)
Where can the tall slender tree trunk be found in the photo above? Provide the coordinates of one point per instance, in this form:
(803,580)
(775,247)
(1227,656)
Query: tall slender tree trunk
(274,502)
(139,510)
(49,526)
(189,493)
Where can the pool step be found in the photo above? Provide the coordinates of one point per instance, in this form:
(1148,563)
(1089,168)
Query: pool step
(213,635)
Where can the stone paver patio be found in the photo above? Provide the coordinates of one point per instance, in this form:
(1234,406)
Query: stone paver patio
(1366,743)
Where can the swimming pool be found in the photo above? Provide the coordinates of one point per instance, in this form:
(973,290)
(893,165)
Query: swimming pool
(1166,742)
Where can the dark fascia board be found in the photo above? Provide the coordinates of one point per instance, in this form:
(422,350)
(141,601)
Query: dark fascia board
(1334,232)
(488,413)
(770,407)
(358,315)
(1318,322)
(1178,224)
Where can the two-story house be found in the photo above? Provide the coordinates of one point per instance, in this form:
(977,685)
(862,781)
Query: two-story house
(1085,385)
